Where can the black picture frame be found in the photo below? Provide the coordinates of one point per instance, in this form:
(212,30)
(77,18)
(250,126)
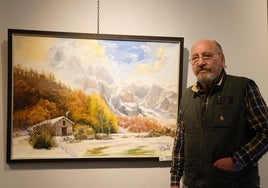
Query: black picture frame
(83,96)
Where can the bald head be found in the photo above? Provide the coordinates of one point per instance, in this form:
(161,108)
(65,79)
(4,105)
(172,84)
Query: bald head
(208,44)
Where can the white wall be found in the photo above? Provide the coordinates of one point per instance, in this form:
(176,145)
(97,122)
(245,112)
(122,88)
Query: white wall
(240,25)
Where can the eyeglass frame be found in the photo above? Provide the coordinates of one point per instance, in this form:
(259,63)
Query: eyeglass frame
(206,56)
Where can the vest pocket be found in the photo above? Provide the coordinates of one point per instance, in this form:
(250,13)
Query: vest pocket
(220,178)
(219,112)
(222,118)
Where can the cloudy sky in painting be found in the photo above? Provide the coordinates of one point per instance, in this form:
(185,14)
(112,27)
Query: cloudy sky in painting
(126,61)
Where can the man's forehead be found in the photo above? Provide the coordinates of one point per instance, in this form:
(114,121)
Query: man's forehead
(204,46)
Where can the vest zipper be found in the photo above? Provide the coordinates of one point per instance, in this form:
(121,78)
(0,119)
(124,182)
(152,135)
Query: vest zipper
(205,100)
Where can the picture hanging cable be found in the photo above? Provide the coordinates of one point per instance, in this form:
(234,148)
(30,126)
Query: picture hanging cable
(98,17)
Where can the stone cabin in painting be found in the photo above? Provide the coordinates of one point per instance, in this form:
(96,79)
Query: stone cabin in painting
(62,126)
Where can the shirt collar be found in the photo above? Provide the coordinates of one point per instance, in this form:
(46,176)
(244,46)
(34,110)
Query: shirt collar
(218,82)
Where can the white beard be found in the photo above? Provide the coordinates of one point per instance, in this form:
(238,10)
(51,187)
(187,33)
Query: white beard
(206,79)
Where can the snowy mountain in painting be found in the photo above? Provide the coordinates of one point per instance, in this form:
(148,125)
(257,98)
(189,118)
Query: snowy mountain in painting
(132,99)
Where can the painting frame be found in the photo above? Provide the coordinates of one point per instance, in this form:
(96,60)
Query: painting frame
(38,59)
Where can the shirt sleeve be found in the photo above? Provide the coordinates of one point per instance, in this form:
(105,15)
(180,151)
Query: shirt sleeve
(256,114)
(177,164)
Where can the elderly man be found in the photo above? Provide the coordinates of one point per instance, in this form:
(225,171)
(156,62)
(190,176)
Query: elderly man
(223,126)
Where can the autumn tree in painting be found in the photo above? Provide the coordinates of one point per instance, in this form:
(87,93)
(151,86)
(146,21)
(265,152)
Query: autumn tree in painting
(106,120)
(93,111)
(39,97)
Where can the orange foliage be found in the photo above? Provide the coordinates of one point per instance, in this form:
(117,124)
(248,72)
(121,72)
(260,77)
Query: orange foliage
(139,124)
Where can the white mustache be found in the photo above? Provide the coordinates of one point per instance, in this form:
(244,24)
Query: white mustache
(203,68)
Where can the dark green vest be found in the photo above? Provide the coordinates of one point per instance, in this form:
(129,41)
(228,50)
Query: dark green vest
(215,128)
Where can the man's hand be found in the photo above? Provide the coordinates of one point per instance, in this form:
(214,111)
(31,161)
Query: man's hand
(225,164)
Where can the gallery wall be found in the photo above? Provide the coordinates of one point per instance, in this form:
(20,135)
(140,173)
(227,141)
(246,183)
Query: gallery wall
(239,25)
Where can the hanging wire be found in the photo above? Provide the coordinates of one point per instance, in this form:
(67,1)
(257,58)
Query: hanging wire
(98,17)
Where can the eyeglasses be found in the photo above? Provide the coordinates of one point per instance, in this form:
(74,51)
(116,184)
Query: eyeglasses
(206,56)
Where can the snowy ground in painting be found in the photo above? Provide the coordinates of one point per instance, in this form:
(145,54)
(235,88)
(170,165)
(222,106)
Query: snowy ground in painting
(120,145)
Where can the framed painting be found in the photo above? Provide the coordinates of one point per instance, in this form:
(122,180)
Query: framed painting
(80,96)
